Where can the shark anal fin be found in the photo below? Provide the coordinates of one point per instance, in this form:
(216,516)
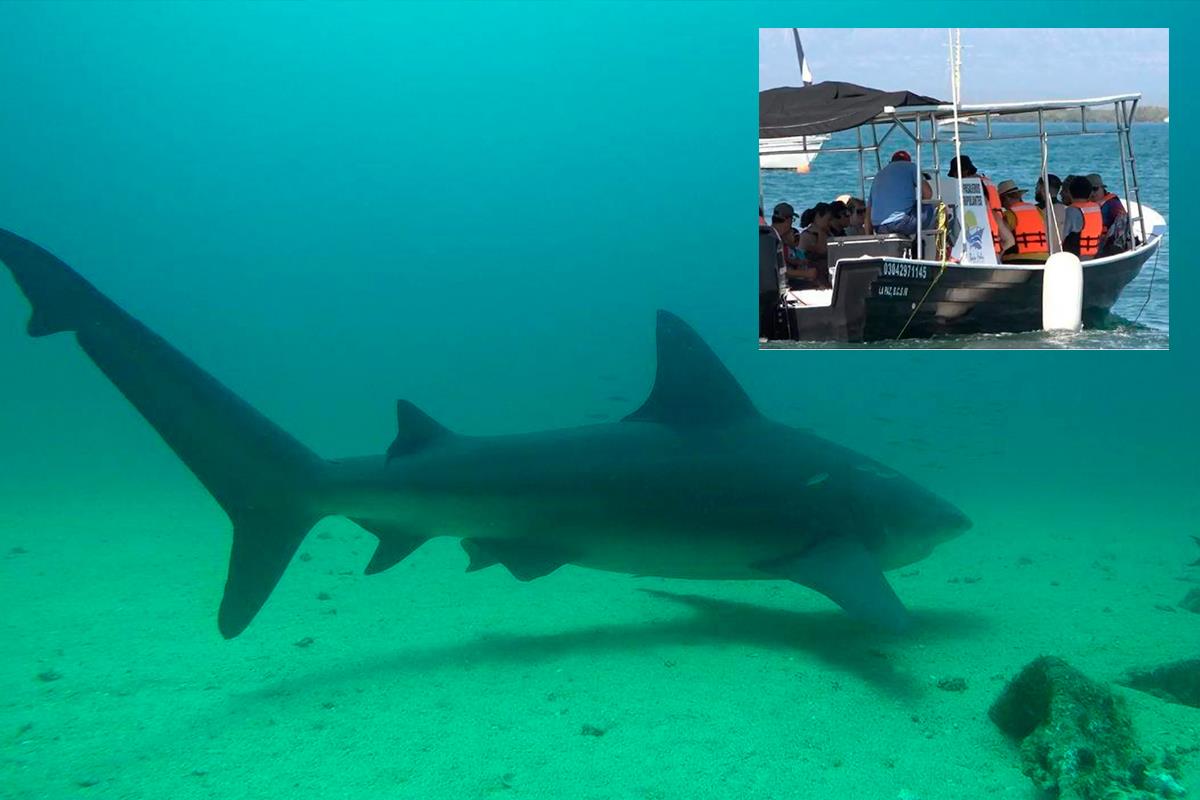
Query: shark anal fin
(844,570)
(396,543)
(691,387)
(416,430)
(525,559)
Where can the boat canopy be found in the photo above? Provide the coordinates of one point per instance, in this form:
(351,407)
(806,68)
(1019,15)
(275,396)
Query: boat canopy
(829,106)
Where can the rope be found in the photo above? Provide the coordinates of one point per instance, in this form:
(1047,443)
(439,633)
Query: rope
(1153,270)
(940,247)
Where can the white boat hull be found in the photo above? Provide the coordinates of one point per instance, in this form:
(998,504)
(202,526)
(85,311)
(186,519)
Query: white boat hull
(793,152)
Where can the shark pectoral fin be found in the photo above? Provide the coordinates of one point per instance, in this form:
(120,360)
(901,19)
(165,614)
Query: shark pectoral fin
(523,558)
(844,570)
(396,543)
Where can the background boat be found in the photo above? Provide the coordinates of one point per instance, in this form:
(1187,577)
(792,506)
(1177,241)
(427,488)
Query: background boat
(798,152)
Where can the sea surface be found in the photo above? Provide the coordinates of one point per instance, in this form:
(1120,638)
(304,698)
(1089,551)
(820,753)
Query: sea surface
(333,207)
(1141,317)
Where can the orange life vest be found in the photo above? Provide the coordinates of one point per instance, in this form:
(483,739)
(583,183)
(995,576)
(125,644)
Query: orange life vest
(993,201)
(1093,228)
(1030,230)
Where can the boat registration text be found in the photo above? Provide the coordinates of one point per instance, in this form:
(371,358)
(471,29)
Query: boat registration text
(897,269)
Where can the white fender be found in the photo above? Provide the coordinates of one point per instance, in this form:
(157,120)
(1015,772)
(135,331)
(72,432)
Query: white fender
(1062,293)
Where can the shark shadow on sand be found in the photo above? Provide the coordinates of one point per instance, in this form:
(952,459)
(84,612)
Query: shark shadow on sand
(828,637)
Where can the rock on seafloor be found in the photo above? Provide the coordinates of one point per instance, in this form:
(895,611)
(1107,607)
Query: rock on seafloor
(1075,736)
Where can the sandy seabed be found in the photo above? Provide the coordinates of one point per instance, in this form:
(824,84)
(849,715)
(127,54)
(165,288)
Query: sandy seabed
(426,682)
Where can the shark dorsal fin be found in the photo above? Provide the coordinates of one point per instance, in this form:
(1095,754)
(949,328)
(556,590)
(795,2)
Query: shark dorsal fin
(417,430)
(692,386)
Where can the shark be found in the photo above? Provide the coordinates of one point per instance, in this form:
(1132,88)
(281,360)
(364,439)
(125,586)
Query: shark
(695,483)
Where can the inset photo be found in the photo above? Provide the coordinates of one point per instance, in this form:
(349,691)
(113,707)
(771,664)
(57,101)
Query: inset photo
(963,188)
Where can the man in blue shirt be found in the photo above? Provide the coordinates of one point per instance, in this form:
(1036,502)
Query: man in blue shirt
(892,207)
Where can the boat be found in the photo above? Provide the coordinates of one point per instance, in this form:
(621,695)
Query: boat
(891,286)
(795,153)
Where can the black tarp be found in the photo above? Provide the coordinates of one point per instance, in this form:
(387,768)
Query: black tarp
(826,107)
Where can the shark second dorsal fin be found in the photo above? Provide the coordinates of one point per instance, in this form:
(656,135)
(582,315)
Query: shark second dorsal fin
(692,386)
(417,430)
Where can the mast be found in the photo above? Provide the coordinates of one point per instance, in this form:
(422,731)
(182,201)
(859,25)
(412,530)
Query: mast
(805,73)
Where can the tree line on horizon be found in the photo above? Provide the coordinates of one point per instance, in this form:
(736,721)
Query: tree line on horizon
(1144,113)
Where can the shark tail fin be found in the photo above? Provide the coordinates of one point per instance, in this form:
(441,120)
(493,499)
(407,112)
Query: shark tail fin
(265,480)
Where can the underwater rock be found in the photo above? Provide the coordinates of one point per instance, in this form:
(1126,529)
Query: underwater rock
(952,684)
(1191,601)
(1177,682)
(1076,738)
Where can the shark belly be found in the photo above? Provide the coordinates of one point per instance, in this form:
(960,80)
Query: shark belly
(621,501)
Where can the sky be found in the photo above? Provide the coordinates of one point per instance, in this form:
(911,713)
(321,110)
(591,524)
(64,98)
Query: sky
(999,64)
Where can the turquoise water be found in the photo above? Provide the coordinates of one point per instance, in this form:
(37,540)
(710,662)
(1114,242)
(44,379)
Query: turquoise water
(1141,315)
(479,208)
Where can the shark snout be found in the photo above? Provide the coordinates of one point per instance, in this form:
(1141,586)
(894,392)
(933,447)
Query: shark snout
(953,522)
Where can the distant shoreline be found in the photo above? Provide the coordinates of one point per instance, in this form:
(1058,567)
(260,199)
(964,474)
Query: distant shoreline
(1143,114)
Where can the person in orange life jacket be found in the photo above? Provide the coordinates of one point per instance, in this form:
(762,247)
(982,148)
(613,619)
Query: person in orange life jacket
(1002,236)
(1113,216)
(1026,223)
(1083,224)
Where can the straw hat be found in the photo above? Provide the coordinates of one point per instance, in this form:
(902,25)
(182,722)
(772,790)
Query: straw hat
(1009,187)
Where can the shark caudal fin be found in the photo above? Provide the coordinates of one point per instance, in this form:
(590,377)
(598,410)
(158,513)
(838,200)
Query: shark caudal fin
(263,478)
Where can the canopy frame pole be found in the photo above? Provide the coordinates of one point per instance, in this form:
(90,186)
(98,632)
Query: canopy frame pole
(937,161)
(919,182)
(1137,192)
(1053,234)
(1122,149)
(898,123)
(862,166)
(956,92)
